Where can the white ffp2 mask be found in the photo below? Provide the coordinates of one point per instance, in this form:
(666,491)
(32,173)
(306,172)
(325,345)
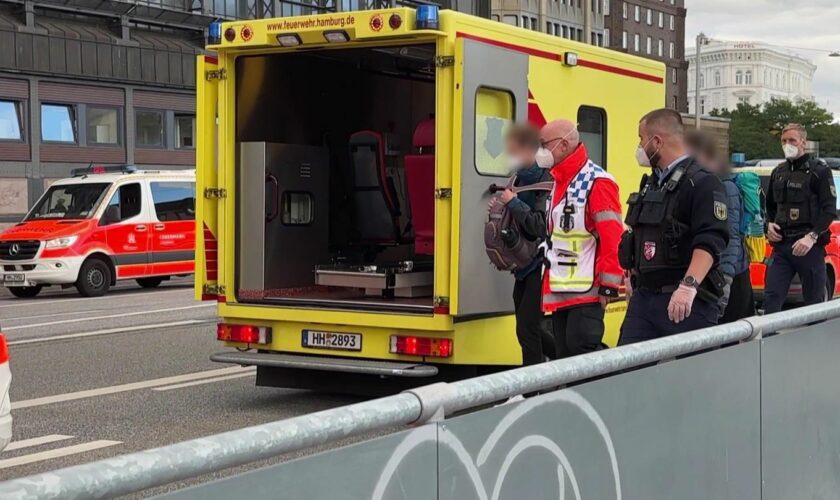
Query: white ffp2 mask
(791,151)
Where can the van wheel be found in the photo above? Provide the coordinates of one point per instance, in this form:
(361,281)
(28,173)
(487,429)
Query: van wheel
(94,278)
(149,282)
(25,292)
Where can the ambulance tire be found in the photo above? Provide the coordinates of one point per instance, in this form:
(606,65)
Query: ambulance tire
(25,292)
(94,278)
(149,282)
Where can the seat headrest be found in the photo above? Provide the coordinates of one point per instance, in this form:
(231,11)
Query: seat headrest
(424,134)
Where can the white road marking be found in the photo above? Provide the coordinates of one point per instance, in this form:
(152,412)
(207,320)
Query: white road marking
(56,453)
(40,302)
(92,318)
(110,331)
(53,315)
(250,373)
(145,384)
(26,443)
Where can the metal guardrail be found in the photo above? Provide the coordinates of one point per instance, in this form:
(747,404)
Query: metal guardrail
(146,469)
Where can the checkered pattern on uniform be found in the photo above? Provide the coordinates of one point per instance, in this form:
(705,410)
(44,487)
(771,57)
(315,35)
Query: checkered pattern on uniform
(579,188)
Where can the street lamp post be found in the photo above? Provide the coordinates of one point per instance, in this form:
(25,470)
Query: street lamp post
(701,38)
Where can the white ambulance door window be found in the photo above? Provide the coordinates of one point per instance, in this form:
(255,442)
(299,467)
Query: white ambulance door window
(592,125)
(493,116)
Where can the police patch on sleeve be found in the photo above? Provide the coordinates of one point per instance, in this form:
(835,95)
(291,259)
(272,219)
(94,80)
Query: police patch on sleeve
(720,210)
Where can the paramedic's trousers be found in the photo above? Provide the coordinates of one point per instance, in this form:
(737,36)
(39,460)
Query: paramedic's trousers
(781,269)
(578,329)
(532,326)
(647,317)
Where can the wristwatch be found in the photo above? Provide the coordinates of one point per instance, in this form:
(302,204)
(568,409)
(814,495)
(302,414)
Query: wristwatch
(689,281)
(814,235)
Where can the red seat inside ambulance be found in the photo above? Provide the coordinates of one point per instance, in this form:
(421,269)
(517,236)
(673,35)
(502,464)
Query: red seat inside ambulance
(420,178)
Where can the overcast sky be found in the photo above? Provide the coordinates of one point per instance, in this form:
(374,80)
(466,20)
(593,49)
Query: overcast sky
(806,23)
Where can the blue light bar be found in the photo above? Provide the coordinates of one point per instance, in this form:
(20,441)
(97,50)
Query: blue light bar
(427,17)
(214,33)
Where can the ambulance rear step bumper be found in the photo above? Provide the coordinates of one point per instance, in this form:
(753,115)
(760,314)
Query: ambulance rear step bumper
(321,363)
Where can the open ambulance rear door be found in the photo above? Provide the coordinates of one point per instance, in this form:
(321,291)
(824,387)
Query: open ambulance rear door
(208,194)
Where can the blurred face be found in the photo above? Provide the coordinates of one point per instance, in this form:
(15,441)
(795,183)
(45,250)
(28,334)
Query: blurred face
(519,155)
(709,162)
(793,139)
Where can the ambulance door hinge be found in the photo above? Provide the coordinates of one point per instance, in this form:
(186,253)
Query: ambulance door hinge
(441,301)
(213,289)
(444,61)
(215,193)
(443,193)
(215,74)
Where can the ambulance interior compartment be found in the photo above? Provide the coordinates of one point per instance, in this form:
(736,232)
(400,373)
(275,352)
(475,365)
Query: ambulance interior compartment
(336,175)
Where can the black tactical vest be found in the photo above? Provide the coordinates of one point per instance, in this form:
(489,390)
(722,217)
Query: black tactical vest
(797,204)
(657,240)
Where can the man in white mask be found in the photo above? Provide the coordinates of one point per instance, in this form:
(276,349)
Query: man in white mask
(678,229)
(582,272)
(801,205)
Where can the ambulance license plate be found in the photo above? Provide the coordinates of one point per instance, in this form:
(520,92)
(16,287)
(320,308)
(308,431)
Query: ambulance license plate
(315,339)
(14,278)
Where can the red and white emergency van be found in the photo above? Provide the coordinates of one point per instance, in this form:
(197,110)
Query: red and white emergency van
(101,225)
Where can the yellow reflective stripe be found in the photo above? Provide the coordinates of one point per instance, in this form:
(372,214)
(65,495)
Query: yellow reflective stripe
(571,235)
(607,215)
(615,279)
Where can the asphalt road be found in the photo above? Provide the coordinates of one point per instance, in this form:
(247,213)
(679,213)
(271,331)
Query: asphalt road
(93,378)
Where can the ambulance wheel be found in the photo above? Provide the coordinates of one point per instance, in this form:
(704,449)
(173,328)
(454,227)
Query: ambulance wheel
(149,282)
(94,278)
(25,292)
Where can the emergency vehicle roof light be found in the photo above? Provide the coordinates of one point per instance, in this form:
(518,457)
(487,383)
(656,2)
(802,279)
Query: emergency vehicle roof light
(570,59)
(336,36)
(427,17)
(214,33)
(100,169)
(289,40)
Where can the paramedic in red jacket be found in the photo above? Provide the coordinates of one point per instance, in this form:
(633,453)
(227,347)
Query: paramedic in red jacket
(585,225)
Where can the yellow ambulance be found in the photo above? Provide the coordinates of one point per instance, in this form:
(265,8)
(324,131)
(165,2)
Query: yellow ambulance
(343,169)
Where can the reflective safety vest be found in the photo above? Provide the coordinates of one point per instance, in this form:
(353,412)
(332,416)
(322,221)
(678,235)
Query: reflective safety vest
(572,247)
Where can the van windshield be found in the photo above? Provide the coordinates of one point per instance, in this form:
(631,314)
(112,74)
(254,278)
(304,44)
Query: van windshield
(69,201)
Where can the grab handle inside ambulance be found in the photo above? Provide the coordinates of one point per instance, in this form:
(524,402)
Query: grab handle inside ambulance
(275,197)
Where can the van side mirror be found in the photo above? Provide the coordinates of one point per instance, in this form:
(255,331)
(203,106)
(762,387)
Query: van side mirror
(111,215)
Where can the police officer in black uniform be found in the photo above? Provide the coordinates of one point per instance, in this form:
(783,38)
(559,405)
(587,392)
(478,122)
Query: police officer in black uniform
(678,229)
(801,204)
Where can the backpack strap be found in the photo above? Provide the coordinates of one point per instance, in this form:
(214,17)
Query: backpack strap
(539,186)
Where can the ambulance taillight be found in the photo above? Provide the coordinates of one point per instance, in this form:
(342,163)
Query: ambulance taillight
(421,346)
(247,334)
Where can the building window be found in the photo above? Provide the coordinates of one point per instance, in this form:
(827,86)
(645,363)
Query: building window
(58,123)
(592,125)
(495,17)
(607,41)
(702,105)
(600,40)
(649,45)
(623,39)
(717,78)
(739,77)
(636,45)
(606,7)
(748,78)
(623,10)
(650,17)
(661,47)
(534,25)
(661,19)
(673,23)
(103,125)
(493,108)
(638,14)
(149,128)
(184,131)
(511,20)
(674,102)
(673,75)
(671,51)
(174,200)
(565,31)
(580,35)
(548,28)
(11,126)
(702,81)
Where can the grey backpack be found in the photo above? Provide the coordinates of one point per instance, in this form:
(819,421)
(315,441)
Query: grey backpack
(507,248)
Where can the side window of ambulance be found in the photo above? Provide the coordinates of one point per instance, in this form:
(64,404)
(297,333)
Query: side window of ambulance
(125,204)
(494,112)
(174,200)
(592,125)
